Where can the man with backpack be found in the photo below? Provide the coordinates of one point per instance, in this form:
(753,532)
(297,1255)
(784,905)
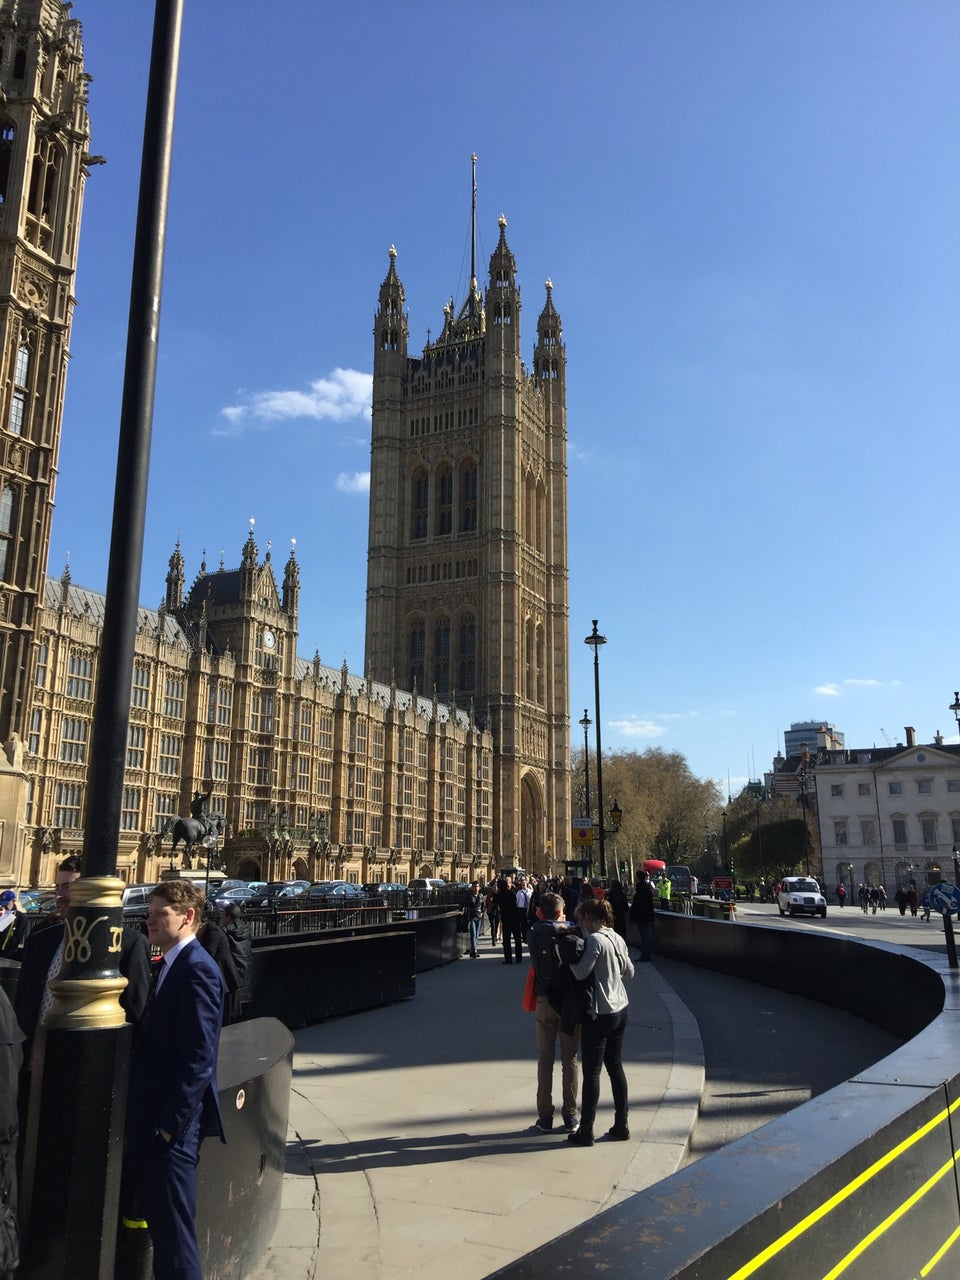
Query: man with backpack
(555,985)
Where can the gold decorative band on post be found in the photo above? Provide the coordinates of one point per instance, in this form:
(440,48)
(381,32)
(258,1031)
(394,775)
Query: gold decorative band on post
(86,993)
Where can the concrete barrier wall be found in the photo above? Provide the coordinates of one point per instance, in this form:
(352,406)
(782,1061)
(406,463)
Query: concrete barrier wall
(860,1182)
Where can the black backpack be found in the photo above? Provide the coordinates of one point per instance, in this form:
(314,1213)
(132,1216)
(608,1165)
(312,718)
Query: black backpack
(554,953)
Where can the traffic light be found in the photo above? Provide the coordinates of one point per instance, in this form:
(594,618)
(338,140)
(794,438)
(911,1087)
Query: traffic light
(623,868)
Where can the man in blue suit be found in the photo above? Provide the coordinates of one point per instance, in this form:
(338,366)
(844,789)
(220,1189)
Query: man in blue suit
(172,1102)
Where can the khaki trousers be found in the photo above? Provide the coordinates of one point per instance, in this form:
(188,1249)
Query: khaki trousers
(548,1031)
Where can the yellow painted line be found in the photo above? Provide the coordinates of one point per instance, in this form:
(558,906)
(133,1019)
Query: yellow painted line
(947,1244)
(892,1218)
(777,1246)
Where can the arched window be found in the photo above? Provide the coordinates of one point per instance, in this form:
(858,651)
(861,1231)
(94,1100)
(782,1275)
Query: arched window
(420,495)
(417,648)
(529,661)
(467,675)
(21,390)
(540,666)
(468,496)
(541,505)
(444,522)
(441,656)
(8,521)
(7,134)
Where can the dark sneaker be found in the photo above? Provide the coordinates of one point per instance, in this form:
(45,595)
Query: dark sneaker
(571,1123)
(544,1124)
(619,1133)
(580,1138)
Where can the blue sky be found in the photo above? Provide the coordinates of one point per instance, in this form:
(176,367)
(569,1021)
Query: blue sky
(749,212)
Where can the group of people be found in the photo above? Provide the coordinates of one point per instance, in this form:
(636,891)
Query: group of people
(186,976)
(574,932)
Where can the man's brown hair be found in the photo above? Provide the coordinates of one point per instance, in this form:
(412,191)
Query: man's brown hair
(180,894)
(551,905)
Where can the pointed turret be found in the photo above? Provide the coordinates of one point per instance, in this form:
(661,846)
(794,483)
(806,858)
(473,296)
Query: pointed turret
(248,567)
(175,580)
(549,357)
(390,323)
(291,581)
(503,295)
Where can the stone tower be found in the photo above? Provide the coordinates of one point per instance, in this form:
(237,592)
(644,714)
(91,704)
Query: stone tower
(44,138)
(467,573)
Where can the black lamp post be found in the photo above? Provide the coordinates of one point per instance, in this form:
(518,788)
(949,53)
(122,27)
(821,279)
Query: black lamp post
(585,724)
(759,840)
(955,708)
(804,782)
(595,639)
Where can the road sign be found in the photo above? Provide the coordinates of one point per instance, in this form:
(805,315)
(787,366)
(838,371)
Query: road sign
(944,897)
(582,833)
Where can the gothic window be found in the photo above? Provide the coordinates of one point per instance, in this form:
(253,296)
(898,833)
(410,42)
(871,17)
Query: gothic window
(467,675)
(174,694)
(136,746)
(541,502)
(468,496)
(79,676)
(140,688)
(130,809)
(444,500)
(540,667)
(67,803)
(417,651)
(421,496)
(18,401)
(529,668)
(6,151)
(441,656)
(73,740)
(8,518)
(43,179)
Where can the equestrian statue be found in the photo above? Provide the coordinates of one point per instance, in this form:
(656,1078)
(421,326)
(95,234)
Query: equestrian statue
(200,828)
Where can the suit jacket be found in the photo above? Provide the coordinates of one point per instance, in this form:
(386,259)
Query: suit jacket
(38,952)
(173,1071)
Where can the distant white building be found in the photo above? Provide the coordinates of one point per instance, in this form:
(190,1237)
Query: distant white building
(889,815)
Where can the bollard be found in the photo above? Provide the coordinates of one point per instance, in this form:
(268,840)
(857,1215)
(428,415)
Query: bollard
(951,940)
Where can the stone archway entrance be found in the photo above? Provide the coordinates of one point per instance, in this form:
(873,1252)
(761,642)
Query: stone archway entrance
(248,869)
(532,835)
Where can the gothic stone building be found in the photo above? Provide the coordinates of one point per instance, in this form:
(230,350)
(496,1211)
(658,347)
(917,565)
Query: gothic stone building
(467,574)
(318,773)
(44,136)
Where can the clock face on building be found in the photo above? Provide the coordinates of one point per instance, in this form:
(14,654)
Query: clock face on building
(269,639)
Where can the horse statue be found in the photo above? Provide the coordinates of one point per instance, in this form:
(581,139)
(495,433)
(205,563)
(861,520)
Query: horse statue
(193,832)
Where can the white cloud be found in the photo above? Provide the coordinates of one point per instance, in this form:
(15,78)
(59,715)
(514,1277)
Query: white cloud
(345,394)
(354,481)
(828,690)
(635,727)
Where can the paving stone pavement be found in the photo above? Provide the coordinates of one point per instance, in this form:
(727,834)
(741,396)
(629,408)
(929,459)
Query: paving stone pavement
(411,1149)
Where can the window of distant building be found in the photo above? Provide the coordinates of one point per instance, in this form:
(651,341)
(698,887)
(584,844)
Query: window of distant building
(899,832)
(444,521)
(924,786)
(8,520)
(68,801)
(928,827)
(863,788)
(836,789)
(840,831)
(420,494)
(21,390)
(955,824)
(417,650)
(441,656)
(953,784)
(79,676)
(130,809)
(868,831)
(895,788)
(468,496)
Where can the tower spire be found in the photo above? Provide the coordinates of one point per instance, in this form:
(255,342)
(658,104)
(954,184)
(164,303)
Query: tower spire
(473,229)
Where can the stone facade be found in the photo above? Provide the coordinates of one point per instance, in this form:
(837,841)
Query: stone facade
(889,815)
(44,160)
(467,574)
(318,773)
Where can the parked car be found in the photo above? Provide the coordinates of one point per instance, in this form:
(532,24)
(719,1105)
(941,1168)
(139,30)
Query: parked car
(430,883)
(247,896)
(135,899)
(801,896)
(322,891)
(38,902)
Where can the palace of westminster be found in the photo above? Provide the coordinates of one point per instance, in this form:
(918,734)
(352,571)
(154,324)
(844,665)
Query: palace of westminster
(450,755)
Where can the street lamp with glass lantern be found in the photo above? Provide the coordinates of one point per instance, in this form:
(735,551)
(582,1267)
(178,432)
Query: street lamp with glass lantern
(804,782)
(595,639)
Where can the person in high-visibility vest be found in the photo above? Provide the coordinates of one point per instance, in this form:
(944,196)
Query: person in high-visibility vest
(663,890)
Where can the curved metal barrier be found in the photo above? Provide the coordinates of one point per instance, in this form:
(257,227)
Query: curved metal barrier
(859,1183)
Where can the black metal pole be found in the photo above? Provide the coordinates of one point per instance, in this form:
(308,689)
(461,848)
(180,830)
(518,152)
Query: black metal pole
(112,708)
(597,640)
